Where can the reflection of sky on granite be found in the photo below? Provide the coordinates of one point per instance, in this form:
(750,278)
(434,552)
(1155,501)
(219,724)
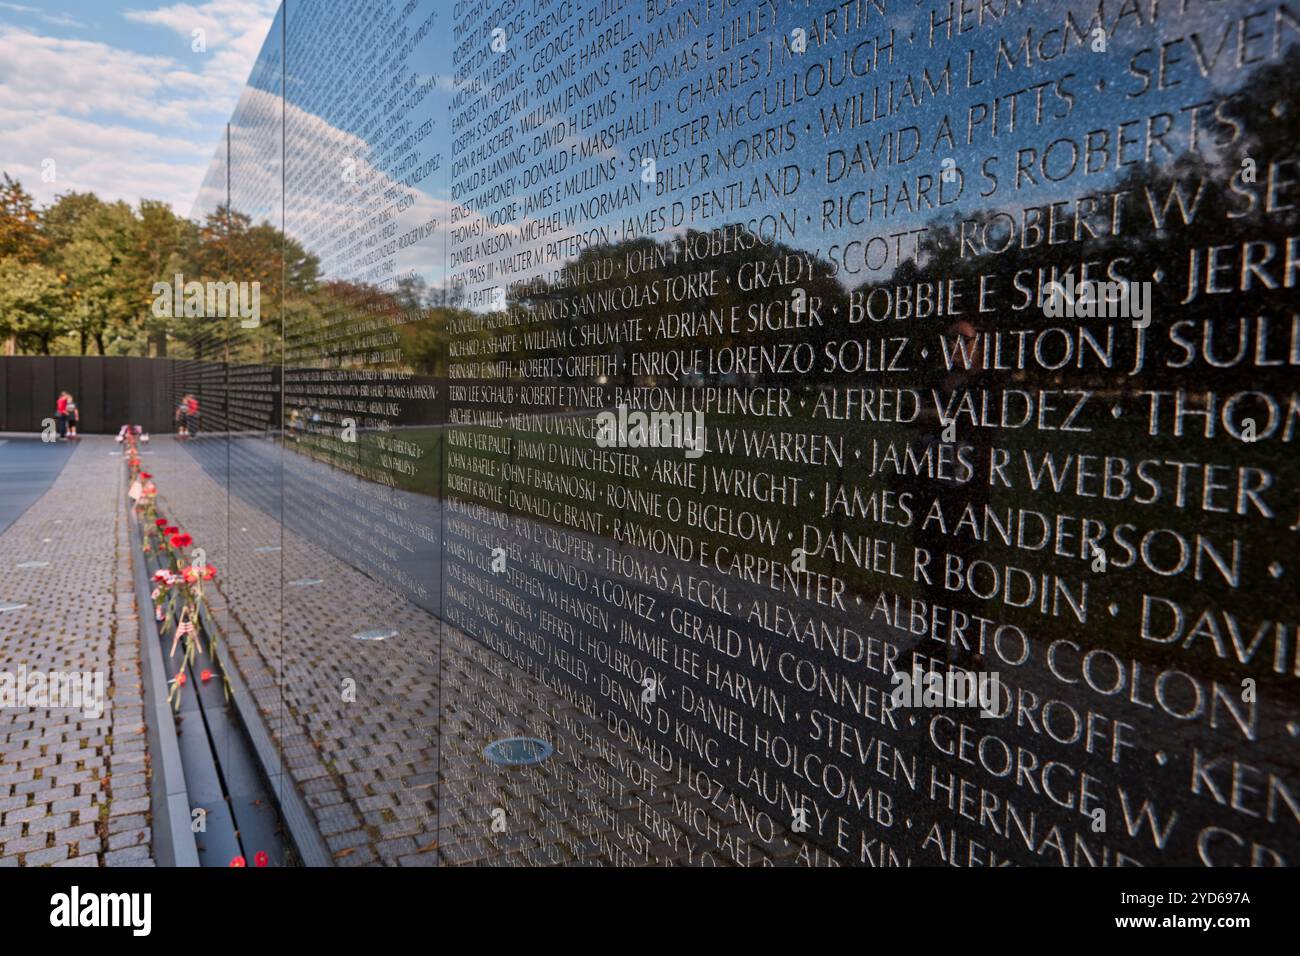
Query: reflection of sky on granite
(974,97)
(314,207)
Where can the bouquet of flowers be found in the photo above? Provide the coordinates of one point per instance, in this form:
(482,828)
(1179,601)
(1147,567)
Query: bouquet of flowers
(177,596)
(178,584)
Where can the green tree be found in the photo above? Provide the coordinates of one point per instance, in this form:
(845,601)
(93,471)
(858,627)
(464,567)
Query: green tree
(20,236)
(32,304)
(104,273)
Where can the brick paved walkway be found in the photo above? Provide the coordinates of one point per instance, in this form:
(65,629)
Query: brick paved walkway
(74,789)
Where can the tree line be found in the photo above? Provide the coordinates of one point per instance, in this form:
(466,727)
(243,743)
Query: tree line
(77,276)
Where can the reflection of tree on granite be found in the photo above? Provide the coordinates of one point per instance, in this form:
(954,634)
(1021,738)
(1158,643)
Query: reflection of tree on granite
(758,264)
(1153,243)
(229,248)
(1260,124)
(1225,211)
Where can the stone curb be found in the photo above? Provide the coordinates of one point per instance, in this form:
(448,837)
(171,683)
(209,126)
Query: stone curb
(298,819)
(173,840)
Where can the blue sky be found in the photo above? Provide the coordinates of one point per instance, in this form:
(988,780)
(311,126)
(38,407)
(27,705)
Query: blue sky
(114,94)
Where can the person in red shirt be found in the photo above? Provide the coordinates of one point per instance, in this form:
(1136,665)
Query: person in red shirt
(61,414)
(187,414)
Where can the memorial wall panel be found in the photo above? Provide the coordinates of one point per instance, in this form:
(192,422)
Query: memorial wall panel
(752,432)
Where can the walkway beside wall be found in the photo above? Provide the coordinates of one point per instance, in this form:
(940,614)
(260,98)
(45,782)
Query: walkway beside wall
(74,788)
(27,469)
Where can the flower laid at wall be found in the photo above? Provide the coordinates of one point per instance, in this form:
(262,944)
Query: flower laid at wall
(182,599)
(178,586)
(174,695)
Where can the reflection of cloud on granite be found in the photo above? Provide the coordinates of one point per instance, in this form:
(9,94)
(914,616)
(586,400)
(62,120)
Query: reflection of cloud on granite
(316,206)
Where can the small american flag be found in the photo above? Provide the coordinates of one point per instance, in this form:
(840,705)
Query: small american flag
(183,628)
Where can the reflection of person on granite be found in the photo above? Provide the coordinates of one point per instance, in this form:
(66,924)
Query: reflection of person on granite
(966,374)
(187,416)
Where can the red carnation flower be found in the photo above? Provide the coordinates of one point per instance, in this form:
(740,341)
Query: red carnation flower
(180,677)
(205,676)
(238,861)
(161,523)
(261,859)
(181,541)
(145,475)
(171,529)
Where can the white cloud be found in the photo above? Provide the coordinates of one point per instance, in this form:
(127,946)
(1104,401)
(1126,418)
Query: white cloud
(81,77)
(113,160)
(125,124)
(234,31)
(57,19)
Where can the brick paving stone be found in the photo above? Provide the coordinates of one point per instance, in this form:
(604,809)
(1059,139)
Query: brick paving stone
(83,831)
(73,803)
(92,847)
(80,619)
(132,856)
(129,838)
(121,808)
(45,857)
(55,821)
(122,824)
(26,814)
(25,844)
(344,841)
